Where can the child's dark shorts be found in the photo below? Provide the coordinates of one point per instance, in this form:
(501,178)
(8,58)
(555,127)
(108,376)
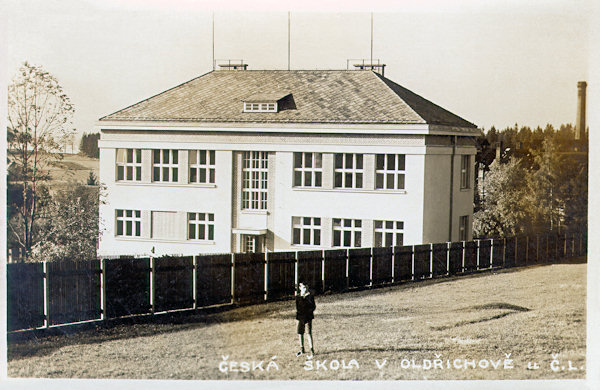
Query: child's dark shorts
(301,324)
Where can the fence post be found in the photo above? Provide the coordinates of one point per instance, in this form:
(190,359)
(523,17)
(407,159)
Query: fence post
(447,258)
(46,295)
(194,282)
(295,271)
(504,253)
(266,277)
(323,269)
(347,267)
(537,248)
(103,315)
(413,263)
(9,257)
(478,254)
(526,249)
(431,260)
(233,278)
(152,286)
(492,254)
(463,256)
(393,263)
(371,269)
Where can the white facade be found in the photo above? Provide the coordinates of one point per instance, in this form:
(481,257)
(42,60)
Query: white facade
(424,209)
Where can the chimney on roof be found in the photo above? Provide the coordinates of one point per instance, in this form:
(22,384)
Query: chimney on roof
(373,65)
(232,65)
(580,124)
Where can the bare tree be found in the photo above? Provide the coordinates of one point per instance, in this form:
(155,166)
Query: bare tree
(39,125)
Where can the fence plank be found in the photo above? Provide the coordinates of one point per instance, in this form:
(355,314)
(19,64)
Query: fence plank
(485,249)
(249,277)
(403,263)
(127,287)
(73,291)
(382,265)
(173,283)
(213,280)
(520,251)
(359,263)
(509,251)
(310,270)
(281,268)
(24,295)
(334,278)
(470,256)
(456,256)
(440,259)
(422,261)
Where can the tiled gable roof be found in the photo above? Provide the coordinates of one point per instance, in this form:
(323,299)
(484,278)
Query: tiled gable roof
(319,96)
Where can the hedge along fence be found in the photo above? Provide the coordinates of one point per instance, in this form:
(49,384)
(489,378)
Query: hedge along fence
(48,294)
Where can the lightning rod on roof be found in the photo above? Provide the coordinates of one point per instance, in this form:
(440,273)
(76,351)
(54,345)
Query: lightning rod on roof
(213,40)
(371,60)
(288,40)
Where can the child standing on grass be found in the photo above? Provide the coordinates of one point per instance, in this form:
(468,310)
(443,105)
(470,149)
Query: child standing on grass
(305,307)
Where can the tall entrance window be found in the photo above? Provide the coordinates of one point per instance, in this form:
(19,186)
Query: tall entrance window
(254,180)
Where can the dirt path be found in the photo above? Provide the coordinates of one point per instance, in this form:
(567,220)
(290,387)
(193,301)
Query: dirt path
(490,326)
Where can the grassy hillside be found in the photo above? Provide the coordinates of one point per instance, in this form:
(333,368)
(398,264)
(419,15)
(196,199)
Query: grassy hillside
(490,326)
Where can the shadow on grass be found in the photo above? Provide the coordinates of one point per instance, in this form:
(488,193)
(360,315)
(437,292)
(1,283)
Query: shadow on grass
(318,354)
(511,309)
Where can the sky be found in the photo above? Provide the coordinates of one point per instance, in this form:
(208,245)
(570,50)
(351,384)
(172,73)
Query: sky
(490,62)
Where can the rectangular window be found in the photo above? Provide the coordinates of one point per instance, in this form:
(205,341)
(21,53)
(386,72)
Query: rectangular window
(165,165)
(389,233)
(129,164)
(347,233)
(308,169)
(201,226)
(348,170)
(202,166)
(465,172)
(389,171)
(129,223)
(463,228)
(254,180)
(306,231)
(260,107)
(251,243)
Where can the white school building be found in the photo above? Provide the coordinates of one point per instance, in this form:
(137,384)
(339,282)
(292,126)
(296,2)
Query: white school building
(276,160)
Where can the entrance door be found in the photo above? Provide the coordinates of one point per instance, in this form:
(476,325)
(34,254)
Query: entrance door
(253,243)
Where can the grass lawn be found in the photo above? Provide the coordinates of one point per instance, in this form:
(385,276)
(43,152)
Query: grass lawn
(487,326)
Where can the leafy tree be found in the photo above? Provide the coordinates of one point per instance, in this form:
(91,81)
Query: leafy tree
(89,145)
(72,228)
(39,124)
(502,213)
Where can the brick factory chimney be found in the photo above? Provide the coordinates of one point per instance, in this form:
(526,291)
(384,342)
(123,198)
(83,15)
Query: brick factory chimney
(580,124)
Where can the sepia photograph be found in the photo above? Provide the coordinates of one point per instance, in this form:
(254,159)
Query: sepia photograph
(278,195)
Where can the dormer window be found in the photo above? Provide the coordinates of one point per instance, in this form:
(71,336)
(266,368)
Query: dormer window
(260,107)
(268,102)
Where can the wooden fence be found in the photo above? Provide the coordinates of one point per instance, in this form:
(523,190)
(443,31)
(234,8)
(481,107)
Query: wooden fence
(41,295)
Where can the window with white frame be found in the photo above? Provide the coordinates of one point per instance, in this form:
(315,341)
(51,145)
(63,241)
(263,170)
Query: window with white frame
(165,165)
(347,233)
(465,171)
(389,171)
(129,164)
(388,233)
(202,166)
(306,231)
(254,180)
(129,223)
(308,169)
(260,107)
(201,226)
(348,170)
(463,228)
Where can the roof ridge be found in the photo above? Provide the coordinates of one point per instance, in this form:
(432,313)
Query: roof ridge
(381,80)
